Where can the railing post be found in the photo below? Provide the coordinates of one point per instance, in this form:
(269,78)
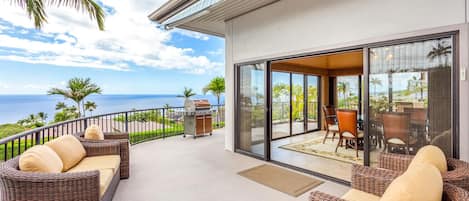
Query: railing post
(164,123)
(37,137)
(126,122)
(85,123)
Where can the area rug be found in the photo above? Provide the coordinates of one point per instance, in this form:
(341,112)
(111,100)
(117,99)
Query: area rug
(327,150)
(281,179)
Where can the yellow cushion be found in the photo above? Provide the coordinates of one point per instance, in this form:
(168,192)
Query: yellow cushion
(105,178)
(110,162)
(69,149)
(356,195)
(432,155)
(40,158)
(94,132)
(421,182)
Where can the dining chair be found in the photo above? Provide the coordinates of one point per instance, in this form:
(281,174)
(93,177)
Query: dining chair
(330,122)
(396,127)
(348,129)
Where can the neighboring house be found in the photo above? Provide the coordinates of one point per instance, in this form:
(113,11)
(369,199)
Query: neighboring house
(407,58)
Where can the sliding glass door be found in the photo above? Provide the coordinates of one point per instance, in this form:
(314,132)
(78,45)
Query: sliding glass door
(298,103)
(411,97)
(251,109)
(280,105)
(312,99)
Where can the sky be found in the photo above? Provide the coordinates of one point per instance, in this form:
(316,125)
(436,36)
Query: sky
(132,56)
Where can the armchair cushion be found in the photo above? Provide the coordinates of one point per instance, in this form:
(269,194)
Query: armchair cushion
(41,159)
(356,195)
(94,132)
(105,178)
(69,149)
(432,155)
(110,162)
(420,182)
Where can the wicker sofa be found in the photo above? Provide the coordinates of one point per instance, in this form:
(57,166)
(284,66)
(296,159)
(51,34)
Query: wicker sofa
(375,181)
(458,171)
(123,139)
(17,185)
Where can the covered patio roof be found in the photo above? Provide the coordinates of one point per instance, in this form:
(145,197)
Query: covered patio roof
(205,16)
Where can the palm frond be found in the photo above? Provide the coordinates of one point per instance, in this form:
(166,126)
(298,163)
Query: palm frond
(93,9)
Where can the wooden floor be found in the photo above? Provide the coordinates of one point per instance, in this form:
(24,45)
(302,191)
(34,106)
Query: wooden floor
(177,168)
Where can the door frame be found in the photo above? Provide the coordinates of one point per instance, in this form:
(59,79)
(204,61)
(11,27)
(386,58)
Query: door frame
(455,34)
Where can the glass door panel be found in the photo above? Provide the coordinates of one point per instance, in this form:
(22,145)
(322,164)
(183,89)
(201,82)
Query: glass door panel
(251,109)
(298,103)
(348,92)
(280,105)
(410,97)
(313,102)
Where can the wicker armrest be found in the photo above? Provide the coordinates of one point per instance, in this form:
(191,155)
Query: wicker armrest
(21,186)
(372,180)
(396,162)
(454,193)
(458,173)
(320,196)
(103,148)
(115,135)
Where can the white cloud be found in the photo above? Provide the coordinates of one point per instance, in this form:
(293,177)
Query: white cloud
(218,52)
(191,34)
(130,39)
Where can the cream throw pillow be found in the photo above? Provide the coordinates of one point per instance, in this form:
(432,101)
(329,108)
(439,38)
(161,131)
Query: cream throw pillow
(94,132)
(42,159)
(421,182)
(69,149)
(432,155)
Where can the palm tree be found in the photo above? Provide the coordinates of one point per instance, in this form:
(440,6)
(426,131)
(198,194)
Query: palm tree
(342,87)
(216,87)
(60,106)
(90,106)
(42,116)
(36,9)
(77,89)
(166,106)
(187,93)
(375,82)
(441,50)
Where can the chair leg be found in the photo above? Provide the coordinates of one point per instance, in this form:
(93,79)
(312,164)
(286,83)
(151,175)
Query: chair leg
(325,137)
(333,136)
(356,146)
(338,144)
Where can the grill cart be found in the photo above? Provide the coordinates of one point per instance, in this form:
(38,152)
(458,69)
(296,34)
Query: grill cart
(197,118)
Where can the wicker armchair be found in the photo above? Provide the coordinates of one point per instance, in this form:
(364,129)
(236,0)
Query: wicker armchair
(375,181)
(123,139)
(16,185)
(458,171)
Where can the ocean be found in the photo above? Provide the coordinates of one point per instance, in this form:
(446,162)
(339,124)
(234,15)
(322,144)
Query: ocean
(15,107)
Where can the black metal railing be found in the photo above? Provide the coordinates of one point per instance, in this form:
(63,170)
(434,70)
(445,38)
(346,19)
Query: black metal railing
(142,125)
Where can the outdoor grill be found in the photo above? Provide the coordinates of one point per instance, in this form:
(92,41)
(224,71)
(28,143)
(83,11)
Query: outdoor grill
(197,118)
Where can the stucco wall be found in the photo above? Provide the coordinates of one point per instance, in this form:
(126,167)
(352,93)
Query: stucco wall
(296,26)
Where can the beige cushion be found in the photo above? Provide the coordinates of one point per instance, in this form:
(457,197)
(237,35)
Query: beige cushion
(432,155)
(110,162)
(356,195)
(348,134)
(421,182)
(69,149)
(105,178)
(334,128)
(94,132)
(396,141)
(42,159)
